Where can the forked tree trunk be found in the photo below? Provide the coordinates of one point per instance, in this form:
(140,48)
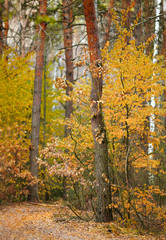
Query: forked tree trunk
(41,28)
(103,210)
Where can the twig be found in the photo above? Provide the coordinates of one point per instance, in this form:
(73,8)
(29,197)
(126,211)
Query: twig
(77,214)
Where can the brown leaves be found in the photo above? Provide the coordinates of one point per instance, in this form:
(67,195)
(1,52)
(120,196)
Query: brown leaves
(43,221)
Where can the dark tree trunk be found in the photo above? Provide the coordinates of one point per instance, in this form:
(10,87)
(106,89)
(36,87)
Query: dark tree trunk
(104,210)
(41,28)
(1,29)
(164,51)
(109,21)
(138,33)
(148,24)
(68,41)
(125,6)
(6,20)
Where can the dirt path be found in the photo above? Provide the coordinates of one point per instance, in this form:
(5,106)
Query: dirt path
(52,222)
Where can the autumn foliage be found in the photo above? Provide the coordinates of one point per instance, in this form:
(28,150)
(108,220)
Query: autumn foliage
(130,79)
(15,116)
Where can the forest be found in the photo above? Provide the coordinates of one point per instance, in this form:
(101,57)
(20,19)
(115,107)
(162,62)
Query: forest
(83,110)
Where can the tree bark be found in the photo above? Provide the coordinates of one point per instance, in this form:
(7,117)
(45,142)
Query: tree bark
(103,210)
(109,21)
(6,22)
(68,41)
(164,28)
(164,53)
(1,29)
(138,33)
(125,6)
(148,25)
(41,28)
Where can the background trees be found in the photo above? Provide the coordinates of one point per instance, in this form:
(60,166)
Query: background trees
(97,108)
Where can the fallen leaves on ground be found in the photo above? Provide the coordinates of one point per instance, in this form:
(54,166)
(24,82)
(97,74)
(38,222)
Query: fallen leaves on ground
(55,222)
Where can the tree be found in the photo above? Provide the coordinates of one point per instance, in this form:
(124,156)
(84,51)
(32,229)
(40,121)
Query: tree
(1,28)
(68,41)
(67,33)
(6,5)
(41,34)
(104,211)
(108,21)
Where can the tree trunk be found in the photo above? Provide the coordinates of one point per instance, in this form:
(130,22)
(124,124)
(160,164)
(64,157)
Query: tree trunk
(109,21)
(41,28)
(1,29)
(164,53)
(153,103)
(164,29)
(6,22)
(104,210)
(148,25)
(126,6)
(138,33)
(68,41)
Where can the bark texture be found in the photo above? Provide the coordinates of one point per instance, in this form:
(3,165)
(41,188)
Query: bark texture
(126,6)
(109,21)
(103,211)
(1,29)
(41,28)
(164,48)
(6,22)
(68,41)
(148,24)
(138,33)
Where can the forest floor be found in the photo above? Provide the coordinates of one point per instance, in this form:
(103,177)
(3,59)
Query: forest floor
(28,221)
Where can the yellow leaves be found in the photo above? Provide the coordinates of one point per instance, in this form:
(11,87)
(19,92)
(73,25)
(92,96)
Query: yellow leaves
(15,102)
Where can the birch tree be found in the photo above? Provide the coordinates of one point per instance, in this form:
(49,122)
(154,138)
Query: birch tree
(153,104)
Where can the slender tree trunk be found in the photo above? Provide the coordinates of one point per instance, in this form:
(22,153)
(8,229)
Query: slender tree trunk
(6,22)
(125,6)
(45,98)
(109,21)
(68,41)
(164,53)
(164,39)
(138,33)
(153,103)
(41,28)
(1,29)
(148,24)
(104,209)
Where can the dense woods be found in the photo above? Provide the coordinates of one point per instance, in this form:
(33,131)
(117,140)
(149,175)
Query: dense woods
(83,107)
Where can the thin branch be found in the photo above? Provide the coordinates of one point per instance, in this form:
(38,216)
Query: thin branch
(150,18)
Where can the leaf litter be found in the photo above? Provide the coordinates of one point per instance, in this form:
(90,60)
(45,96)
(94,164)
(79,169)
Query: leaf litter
(29,221)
